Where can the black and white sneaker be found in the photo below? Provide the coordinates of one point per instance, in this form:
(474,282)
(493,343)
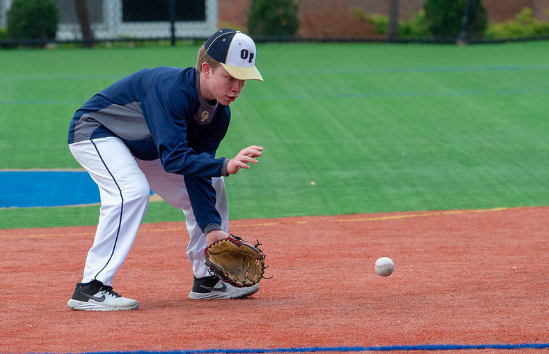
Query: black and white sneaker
(211,288)
(95,296)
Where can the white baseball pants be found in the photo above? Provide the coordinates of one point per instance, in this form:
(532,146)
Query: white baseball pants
(124,185)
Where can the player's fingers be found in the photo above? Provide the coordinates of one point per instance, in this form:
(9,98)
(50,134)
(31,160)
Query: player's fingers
(236,164)
(252,151)
(247,159)
(244,157)
(240,164)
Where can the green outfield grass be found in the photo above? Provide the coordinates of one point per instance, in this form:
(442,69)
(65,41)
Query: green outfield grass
(377,127)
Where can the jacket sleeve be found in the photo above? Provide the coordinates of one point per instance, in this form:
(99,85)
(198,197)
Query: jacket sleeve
(203,198)
(166,121)
(167,109)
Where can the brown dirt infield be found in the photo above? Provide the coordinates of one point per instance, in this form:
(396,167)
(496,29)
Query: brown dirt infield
(462,277)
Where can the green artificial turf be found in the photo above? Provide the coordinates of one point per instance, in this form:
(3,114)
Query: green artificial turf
(376,127)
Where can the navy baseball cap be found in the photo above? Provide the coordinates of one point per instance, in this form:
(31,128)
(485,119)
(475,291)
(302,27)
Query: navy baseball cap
(235,51)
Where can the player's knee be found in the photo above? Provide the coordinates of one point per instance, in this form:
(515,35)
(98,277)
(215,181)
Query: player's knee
(138,192)
(178,201)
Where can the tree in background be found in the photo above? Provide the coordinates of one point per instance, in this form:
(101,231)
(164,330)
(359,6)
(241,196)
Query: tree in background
(273,18)
(33,19)
(444,18)
(84,21)
(392,27)
(523,25)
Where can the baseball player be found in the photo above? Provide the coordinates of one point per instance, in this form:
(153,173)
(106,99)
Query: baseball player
(159,129)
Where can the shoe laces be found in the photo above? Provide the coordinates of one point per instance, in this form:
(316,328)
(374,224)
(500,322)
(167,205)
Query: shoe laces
(108,291)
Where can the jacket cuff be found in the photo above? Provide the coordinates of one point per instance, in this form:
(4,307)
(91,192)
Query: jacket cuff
(224,168)
(211,227)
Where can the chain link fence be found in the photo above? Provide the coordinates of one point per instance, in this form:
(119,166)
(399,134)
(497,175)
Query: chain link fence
(95,21)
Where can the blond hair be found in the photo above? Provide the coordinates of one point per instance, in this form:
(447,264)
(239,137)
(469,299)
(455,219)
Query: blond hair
(205,57)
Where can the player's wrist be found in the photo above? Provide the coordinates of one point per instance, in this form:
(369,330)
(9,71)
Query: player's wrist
(215,235)
(225,167)
(212,227)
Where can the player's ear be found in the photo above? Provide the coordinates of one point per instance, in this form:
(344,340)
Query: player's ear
(206,69)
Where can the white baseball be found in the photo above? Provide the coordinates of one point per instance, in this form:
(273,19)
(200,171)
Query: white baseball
(385,266)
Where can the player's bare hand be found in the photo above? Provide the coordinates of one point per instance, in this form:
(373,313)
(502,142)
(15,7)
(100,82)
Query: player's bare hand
(215,235)
(243,158)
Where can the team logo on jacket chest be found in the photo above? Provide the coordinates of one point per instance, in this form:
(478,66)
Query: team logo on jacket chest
(204,116)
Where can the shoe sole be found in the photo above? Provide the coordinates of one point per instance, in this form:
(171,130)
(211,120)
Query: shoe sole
(90,306)
(217,295)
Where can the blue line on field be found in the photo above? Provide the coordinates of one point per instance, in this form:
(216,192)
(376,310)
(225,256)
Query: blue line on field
(408,70)
(335,96)
(80,102)
(429,347)
(402,94)
(310,72)
(58,77)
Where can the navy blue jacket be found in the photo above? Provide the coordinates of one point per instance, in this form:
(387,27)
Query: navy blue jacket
(160,113)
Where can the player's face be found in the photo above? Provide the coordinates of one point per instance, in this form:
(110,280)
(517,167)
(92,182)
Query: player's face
(223,87)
